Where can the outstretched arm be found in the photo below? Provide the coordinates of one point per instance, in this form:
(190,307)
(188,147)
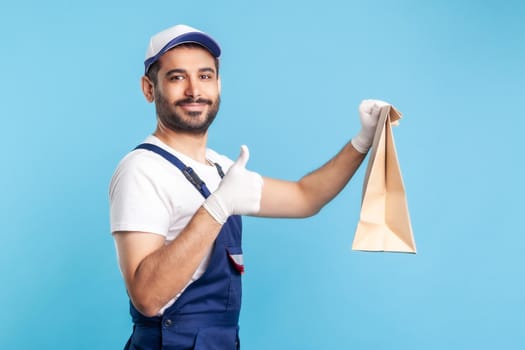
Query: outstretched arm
(308,195)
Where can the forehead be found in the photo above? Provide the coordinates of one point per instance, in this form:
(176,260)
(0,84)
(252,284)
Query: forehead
(187,57)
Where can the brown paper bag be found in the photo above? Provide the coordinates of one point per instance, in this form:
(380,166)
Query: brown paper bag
(384,223)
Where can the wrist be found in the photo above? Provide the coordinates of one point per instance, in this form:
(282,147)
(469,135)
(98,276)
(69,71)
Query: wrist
(216,208)
(363,140)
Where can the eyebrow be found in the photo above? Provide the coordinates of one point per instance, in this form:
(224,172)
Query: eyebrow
(182,71)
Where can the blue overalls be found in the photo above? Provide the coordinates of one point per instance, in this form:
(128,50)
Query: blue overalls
(206,314)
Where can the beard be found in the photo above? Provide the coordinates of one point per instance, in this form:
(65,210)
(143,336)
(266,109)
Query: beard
(191,124)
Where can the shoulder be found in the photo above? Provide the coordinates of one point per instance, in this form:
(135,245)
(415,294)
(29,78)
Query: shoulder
(140,159)
(137,162)
(142,169)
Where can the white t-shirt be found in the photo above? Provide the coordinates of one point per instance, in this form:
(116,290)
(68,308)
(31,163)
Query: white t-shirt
(149,194)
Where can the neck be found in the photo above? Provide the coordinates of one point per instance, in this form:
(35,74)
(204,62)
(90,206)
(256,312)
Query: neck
(191,145)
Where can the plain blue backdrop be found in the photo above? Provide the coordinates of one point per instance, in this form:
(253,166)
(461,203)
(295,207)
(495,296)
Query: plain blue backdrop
(293,74)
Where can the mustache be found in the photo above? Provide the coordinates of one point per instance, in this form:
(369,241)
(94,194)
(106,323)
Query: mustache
(193,100)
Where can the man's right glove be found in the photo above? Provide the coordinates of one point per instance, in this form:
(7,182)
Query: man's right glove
(369,111)
(239,192)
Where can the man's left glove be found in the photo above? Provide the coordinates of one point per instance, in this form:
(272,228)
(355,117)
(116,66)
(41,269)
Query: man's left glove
(239,192)
(369,111)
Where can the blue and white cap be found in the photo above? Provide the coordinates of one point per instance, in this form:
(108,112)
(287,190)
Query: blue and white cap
(163,41)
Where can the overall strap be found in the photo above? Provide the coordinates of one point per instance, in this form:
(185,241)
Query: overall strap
(188,172)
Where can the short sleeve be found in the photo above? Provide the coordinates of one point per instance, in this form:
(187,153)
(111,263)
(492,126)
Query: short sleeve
(136,201)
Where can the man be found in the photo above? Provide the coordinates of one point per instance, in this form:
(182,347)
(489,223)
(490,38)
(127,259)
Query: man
(175,215)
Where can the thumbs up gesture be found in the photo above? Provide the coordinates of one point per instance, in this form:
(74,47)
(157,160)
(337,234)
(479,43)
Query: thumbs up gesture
(239,193)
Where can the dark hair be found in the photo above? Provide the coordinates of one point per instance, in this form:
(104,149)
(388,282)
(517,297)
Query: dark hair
(153,71)
(155,67)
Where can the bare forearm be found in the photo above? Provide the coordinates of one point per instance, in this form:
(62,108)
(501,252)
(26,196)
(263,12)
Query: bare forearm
(322,185)
(164,273)
(308,195)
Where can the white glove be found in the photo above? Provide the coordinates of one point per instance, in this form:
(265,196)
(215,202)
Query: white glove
(369,111)
(239,192)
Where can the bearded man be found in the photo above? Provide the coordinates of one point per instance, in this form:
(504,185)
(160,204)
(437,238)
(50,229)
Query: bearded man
(176,205)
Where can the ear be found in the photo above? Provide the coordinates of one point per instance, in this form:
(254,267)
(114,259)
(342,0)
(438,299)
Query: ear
(147,88)
(219,84)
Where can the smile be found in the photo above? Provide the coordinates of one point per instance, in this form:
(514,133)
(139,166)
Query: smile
(193,107)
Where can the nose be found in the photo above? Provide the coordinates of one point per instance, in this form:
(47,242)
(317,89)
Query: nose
(192,88)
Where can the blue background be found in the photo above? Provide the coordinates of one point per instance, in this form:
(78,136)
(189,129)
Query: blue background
(293,74)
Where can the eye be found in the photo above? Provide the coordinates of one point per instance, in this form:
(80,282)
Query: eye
(206,76)
(176,77)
